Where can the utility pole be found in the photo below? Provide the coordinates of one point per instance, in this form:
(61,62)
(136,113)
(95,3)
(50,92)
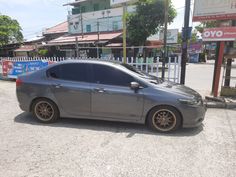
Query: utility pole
(81,23)
(77,46)
(185,41)
(229,62)
(124,32)
(165,39)
(98,31)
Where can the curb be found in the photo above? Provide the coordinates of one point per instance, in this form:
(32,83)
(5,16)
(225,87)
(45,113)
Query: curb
(231,106)
(221,105)
(220,102)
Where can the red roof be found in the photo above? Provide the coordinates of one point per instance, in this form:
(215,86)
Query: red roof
(60,28)
(87,38)
(25,48)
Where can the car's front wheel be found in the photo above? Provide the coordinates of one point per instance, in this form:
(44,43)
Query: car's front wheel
(45,110)
(164,119)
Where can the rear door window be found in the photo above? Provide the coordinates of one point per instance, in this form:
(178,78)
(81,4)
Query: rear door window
(72,72)
(54,72)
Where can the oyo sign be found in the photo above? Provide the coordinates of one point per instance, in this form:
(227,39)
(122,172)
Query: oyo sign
(219,34)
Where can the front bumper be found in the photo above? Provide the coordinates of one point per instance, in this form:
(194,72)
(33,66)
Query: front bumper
(193,116)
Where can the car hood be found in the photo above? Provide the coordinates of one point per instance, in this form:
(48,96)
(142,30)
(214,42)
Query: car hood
(179,89)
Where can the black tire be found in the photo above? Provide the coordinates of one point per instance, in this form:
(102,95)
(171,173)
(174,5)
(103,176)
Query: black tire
(45,110)
(164,119)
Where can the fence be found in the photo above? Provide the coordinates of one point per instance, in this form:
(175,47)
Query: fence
(229,89)
(153,66)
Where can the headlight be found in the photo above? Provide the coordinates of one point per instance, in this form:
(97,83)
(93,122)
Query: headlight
(192,102)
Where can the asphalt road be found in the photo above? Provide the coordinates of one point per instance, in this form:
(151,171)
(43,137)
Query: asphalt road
(86,148)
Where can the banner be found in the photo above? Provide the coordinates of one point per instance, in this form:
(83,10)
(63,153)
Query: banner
(12,69)
(6,66)
(194,57)
(214,10)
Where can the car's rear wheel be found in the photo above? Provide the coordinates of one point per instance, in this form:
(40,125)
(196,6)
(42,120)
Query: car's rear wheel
(45,110)
(164,119)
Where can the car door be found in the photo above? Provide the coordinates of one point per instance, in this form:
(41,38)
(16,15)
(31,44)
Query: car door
(71,87)
(112,96)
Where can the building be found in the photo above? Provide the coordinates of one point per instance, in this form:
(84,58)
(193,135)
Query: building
(94,30)
(22,49)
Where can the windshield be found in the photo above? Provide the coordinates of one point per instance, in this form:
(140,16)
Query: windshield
(144,75)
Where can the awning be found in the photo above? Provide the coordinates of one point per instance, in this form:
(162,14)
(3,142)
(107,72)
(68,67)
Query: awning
(74,3)
(25,48)
(114,45)
(86,39)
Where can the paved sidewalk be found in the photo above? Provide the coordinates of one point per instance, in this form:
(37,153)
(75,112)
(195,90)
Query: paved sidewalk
(87,148)
(199,77)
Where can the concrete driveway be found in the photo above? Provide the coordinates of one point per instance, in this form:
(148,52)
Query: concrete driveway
(86,148)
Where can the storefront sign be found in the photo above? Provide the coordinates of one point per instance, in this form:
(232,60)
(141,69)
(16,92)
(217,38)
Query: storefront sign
(172,36)
(214,10)
(219,34)
(195,48)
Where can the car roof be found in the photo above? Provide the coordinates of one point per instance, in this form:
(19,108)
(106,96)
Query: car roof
(88,61)
(91,61)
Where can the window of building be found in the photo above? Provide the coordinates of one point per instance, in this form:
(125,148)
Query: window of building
(96,7)
(115,25)
(75,10)
(88,28)
(83,9)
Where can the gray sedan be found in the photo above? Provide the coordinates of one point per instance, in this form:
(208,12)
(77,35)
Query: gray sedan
(108,91)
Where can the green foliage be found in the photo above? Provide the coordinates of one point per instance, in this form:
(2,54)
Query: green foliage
(207,24)
(147,20)
(10,30)
(43,52)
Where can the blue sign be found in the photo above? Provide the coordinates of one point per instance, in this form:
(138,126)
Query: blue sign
(22,67)
(194,57)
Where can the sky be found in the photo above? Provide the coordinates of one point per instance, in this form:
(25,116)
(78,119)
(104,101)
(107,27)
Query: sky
(36,15)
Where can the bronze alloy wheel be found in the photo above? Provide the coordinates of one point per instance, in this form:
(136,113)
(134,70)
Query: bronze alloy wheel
(44,111)
(164,120)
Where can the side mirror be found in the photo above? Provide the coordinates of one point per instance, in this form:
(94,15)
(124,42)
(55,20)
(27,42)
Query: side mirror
(134,86)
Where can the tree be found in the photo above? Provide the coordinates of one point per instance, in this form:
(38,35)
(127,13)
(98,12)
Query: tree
(207,24)
(43,52)
(147,20)
(10,30)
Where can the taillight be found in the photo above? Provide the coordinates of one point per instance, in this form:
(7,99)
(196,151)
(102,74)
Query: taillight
(19,82)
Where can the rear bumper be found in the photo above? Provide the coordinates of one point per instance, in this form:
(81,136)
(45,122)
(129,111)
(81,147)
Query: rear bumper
(24,108)
(24,100)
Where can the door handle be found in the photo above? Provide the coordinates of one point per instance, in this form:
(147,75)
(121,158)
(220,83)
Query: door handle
(99,90)
(56,85)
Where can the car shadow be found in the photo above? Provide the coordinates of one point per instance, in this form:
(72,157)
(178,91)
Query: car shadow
(100,125)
